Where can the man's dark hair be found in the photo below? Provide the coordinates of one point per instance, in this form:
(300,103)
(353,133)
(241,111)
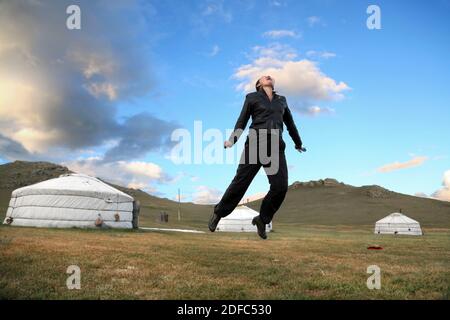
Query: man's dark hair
(257,85)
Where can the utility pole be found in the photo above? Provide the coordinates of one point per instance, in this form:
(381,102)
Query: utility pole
(179,211)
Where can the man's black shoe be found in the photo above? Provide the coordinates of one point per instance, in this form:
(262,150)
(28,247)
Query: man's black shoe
(213,222)
(261,226)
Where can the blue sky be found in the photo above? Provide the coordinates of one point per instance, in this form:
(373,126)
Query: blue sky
(374,110)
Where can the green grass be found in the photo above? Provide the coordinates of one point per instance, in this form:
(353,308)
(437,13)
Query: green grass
(297,262)
(318,250)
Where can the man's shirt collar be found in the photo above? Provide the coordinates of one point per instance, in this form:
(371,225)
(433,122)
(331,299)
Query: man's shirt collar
(263,92)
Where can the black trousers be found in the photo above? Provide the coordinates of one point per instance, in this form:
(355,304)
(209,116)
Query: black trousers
(249,166)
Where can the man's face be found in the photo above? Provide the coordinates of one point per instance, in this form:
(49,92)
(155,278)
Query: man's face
(267,81)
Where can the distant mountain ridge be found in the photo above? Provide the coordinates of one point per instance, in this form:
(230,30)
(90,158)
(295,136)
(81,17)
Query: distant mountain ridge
(373,191)
(321,202)
(23,173)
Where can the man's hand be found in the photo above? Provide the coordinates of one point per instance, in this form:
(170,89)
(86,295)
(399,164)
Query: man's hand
(227,144)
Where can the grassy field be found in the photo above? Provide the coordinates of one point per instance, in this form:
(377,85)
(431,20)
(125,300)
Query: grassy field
(318,249)
(297,262)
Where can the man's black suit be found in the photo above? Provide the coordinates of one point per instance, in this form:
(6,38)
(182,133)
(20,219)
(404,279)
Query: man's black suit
(265,114)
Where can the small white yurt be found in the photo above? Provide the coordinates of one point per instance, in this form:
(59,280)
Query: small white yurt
(398,223)
(72,200)
(240,220)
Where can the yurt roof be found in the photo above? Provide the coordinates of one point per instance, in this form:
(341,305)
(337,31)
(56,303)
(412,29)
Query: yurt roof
(73,184)
(242,213)
(397,217)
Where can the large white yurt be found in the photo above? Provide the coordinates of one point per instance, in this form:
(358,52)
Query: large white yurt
(72,200)
(240,220)
(398,223)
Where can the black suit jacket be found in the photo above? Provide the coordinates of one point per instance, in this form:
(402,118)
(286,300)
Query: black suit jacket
(266,114)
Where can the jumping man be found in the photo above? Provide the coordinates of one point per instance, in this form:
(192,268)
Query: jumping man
(269,111)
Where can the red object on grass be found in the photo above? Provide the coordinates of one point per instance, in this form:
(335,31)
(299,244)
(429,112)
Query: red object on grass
(374,248)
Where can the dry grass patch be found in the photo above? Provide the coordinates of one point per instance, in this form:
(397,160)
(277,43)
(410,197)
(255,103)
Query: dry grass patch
(298,262)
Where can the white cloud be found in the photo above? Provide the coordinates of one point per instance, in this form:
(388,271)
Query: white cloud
(320,54)
(444,192)
(99,89)
(280,34)
(144,169)
(19,119)
(298,79)
(414,162)
(137,185)
(59,92)
(208,15)
(276,3)
(194,178)
(327,55)
(215,50)
(316,110)
(93,63)
(131,174)
(216,8)
(275,51)
(206,195)
(314,21)
(180,175)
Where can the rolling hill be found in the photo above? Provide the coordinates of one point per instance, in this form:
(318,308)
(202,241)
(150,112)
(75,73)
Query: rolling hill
(321,202)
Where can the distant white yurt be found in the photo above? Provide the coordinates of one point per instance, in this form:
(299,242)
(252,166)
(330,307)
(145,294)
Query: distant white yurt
(240,220)
(398,223)
(72,200)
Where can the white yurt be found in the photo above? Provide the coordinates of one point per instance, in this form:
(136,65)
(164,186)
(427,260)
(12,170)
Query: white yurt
(398,223)
(72,200)
(240,220)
